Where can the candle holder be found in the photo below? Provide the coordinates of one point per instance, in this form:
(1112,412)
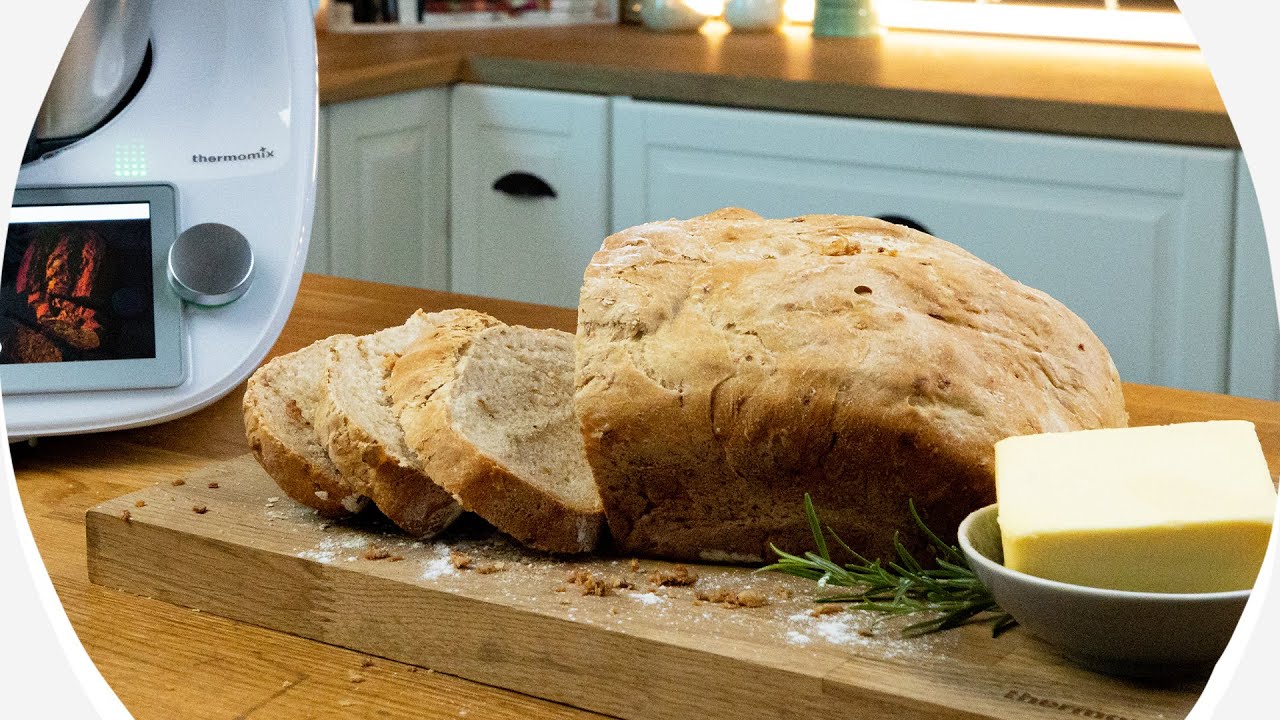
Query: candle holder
(670,16)
(753,15)
(846,18)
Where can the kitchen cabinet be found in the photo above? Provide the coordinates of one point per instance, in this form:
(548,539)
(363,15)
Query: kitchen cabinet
(388,188)
(1136,238)
(1159,247)
(1255,332)
(529,186)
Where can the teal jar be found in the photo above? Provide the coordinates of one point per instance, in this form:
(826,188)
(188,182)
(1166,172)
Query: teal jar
(845,18)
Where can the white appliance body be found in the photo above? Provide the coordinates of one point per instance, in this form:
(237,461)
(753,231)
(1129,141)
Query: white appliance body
(227,116)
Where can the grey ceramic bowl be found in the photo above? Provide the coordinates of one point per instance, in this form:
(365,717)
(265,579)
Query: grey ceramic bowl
(1137,634)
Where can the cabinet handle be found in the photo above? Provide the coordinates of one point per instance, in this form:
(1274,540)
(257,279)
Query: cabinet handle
(524,185)
(904,220)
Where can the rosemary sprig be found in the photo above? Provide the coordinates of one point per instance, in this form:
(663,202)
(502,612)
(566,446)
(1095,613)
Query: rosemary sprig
(949,589)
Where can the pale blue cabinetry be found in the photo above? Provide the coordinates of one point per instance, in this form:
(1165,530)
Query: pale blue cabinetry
(530,192)
(1136,238)
(507,192)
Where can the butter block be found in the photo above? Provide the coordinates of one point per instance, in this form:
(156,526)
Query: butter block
(1169,508)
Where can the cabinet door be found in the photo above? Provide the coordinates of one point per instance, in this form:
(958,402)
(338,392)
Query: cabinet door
(1135,238)
(1255,331)
(318,249)
(530,192)
(388,189)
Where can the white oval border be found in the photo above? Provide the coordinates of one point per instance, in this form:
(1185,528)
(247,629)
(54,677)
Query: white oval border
(46,670)
(1238,39)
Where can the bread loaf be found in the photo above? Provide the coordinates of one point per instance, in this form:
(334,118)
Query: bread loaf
(356,424)
(728,364)
(489,410)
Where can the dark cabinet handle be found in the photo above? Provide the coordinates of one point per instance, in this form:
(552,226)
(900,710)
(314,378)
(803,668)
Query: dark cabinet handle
(524,185)
(904,220)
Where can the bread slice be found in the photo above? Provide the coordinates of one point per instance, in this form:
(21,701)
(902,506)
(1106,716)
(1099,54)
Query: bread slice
(355,423)
(279,406)
(489,409)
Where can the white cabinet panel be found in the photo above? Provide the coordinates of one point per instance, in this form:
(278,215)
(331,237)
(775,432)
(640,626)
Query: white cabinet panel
(509,238)
(1135,238)
(1255,332)
(318,249)
(389,189)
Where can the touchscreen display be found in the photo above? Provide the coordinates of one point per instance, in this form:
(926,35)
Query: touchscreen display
(77,284)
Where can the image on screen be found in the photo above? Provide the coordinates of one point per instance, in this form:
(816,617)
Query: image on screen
(77,284)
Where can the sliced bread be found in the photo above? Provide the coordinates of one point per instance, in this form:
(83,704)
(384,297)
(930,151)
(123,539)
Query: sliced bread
(355,423)
(489,409)
(279,407)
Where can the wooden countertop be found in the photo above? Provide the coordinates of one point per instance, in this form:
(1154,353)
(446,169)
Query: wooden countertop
(166,662)
(1162,94)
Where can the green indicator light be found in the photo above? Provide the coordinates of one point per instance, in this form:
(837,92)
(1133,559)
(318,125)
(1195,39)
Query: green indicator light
(130,160)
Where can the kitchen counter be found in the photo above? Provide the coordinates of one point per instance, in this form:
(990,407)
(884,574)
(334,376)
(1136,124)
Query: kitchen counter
(1162,94)
(165,662)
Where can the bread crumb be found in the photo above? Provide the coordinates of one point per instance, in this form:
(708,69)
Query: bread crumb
(635,565)
(786,593)
(140,503)
(322,494)
(828,609)
(588,583)
(355,677)
(286,684)
(213,486)
(178,482)
(460,561)
(591,584)
(730,598)
(344,702)
(273,499)
(395,558)
(375,552)
(866,632)
(678,576)
(560,588)
(491,568)
(126,516)
(199,509)
(366,663)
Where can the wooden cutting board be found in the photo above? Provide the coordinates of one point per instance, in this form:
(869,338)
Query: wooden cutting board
(471,604)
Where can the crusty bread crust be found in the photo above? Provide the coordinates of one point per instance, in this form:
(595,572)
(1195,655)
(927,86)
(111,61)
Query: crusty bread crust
(401,490)
(405,494)
(313,485)
(727,364)
(420,388)
(491,490)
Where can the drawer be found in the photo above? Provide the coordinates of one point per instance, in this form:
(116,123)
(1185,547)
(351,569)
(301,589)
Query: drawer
(530,197)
